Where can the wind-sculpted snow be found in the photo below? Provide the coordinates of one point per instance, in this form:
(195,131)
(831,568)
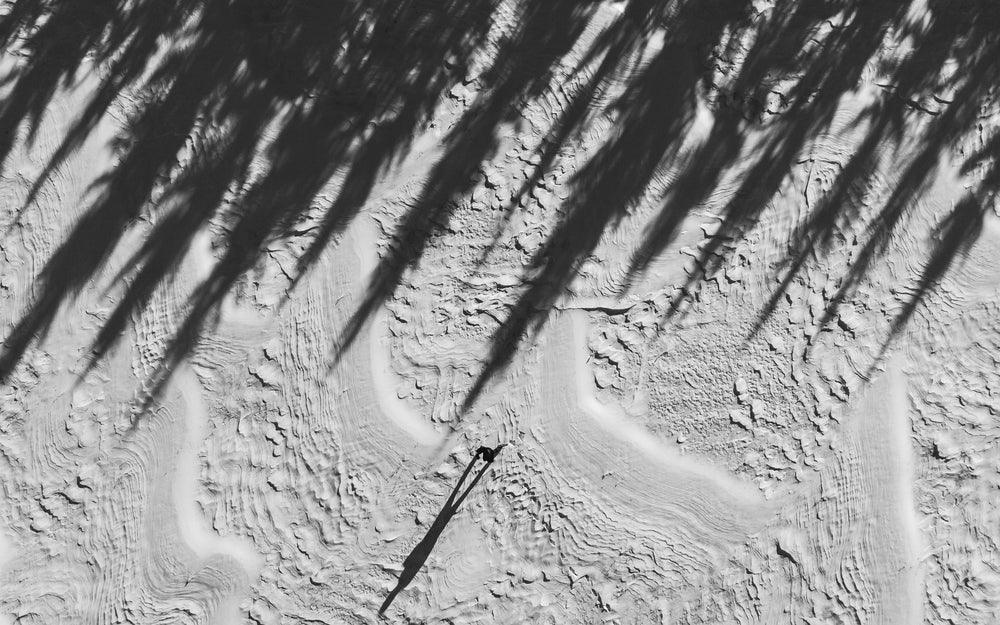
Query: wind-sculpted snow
(499,312)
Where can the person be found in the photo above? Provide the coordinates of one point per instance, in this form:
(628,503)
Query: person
(487,453)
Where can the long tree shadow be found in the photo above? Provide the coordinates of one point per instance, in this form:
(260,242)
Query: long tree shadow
(274,120)
(799,52)
(305,87)
(415,561)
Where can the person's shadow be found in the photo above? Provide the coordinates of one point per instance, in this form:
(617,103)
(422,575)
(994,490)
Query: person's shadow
(417,557)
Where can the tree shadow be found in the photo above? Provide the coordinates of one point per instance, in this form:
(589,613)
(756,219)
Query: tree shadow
(305,87)
(415,561)
(812,64)
(247,110)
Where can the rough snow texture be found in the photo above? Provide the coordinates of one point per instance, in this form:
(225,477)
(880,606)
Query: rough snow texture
(681,472)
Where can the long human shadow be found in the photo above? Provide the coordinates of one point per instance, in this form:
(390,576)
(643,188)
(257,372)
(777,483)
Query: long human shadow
(415,561)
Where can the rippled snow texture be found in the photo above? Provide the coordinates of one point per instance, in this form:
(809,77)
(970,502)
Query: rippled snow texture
(680,473)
